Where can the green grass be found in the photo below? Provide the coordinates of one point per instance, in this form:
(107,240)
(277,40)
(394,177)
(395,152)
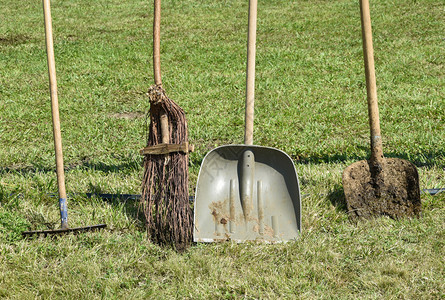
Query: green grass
(310,102)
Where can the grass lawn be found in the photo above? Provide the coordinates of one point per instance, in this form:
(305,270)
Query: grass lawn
(310,102)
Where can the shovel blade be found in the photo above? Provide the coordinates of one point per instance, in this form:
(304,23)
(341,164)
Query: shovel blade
(247,193)
(397,196)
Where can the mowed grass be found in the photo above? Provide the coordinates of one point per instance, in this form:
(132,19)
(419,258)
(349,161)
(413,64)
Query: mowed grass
(310,102)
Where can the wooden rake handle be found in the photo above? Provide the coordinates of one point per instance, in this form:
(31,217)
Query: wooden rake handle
(55,113)
(371,87)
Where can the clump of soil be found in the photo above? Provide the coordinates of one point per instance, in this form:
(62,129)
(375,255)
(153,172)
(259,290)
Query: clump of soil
(14,40)
(394,192)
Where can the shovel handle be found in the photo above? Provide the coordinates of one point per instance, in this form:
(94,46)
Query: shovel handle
(157,42)
(371,87)
(250,80)
(55,113)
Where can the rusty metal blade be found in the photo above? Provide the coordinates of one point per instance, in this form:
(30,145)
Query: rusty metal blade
(64,231)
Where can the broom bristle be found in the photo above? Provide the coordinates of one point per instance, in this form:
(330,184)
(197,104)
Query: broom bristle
(165,198)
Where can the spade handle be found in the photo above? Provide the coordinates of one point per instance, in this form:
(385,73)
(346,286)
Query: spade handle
(250,80)
(371,87)
(55,113)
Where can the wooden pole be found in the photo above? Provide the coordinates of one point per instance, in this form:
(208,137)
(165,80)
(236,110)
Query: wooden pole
(250,76)
(371,86)
(55,114)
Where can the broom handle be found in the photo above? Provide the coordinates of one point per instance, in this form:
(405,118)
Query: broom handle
(371,86)
(157,65)
(250,80)
(55,114)
(157,42)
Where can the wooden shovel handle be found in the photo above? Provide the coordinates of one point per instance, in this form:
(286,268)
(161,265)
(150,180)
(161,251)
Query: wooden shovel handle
(55,111)
(157,42)
(371,87)
(250,80)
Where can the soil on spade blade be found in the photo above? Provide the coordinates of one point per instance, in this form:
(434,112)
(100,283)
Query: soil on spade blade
(396,196)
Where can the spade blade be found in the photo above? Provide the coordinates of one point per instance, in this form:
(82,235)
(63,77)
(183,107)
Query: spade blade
(396,196)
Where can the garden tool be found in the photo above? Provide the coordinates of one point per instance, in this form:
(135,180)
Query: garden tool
(57,136)
(247,192)
(165,198)
(379,186)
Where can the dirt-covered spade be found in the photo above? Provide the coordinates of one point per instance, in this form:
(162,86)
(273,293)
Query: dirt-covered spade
(379,186)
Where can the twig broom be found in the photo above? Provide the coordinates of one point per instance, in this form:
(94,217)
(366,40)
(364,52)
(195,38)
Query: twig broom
(164,198)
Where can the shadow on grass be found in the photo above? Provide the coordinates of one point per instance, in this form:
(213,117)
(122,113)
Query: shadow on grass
(127,164)
(337,198)
(422,159)
(129,204)
(427,159)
